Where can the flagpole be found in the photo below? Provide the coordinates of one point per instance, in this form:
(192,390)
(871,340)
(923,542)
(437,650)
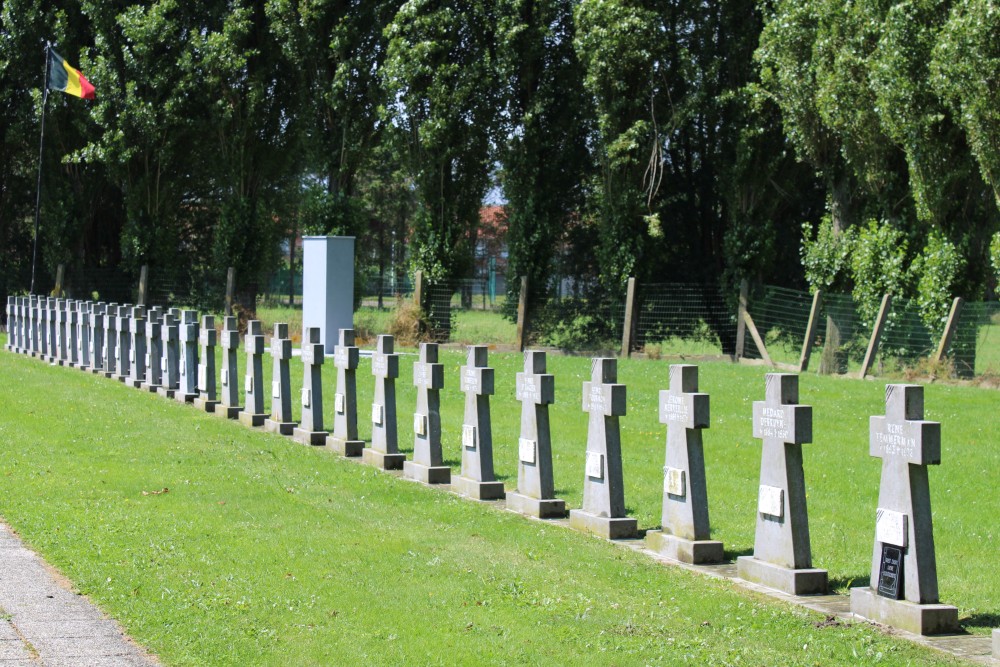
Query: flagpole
(41,149)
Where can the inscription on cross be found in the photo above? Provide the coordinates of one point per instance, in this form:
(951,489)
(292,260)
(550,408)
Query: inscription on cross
(428,378)
(603,509)
(535,389)
(384,452)
(782,556)
(686,528)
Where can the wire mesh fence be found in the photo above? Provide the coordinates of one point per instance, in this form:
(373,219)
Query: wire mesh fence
(684,318)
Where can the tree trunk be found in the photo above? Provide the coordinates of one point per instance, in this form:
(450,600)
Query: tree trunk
(838,324)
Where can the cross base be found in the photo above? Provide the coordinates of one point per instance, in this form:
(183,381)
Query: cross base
(477,490)
(205,404)
(60,362)
(163,391)
(549,508)
(108,374)
(317,438)
(803,581)
(282,428)
(121,378)
(383,460)
(996,644)
(250,419)
(151,388)
(228,411)
(71,364)
(349,448)
(696,552)
(920,619)
(611,528)
(181,397)
(427,474)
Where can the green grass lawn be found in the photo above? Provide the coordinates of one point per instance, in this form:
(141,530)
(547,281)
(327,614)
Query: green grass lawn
(264,551)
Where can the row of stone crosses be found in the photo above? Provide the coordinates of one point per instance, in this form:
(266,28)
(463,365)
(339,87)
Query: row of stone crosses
(159,351)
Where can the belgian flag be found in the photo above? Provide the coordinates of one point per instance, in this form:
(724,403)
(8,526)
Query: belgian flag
(67,79)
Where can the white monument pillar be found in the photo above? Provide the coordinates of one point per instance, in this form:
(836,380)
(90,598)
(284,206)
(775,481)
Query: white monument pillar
(328,286)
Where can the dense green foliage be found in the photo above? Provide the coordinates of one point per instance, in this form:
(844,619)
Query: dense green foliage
(667,141)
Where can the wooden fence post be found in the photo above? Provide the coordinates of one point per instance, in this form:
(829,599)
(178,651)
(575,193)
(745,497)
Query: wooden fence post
(418,289)
(230,289)
(143,284)
(60,274)
(741,327)
(949,329)
(883,313)
(807,344)
(629,327)
(522,314)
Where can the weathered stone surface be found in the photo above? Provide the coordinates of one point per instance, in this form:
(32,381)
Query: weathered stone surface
(170,349)
(535,494)
(83,359)
(477,479)
(230,341)
(72,349)
(11,323)
(904,592)
(686,529)
(384,452)
(123,360)
(781,541)
(253,414)
(110,353)
(206,399)
(603,511)
(344,437)
(187,376)
(996,644)
(310,431)
(97,347)
(428,377)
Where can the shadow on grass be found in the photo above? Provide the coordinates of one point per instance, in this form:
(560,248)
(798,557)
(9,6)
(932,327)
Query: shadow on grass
(733,554)
(848,582)
(986,620)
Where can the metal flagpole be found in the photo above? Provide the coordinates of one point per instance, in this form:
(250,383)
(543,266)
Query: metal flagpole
(41,149)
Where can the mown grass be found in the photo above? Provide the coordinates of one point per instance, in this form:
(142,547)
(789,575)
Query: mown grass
(263,551)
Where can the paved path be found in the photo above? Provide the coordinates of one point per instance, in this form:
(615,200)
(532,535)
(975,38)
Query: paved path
(43,623)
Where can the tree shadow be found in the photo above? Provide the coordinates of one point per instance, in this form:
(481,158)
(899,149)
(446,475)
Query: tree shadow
(849,581)
(733,554)
(981,620)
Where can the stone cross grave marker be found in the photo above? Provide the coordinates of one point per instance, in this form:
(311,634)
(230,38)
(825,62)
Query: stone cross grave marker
(110,352)
(207,338)
(384,452)
(53,330)
(11,322)
(253,414)
(83,335)
(20,341)
(686,532)
(124,327)
(97,314)
(310,431)
(187,378)
(782,556)
(535,495)
(280,420)
(59,349)
(36,344)
(344,437)
(903,590)
(43,328)
(230,342)
(72,344)
(603,511)
(137,350)
(428,462)
(26,325)
(477,479)
(154,350)
(170,351)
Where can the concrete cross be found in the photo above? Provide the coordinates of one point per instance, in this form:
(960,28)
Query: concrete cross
(72,317)
(344,437)
(43,327)
(428,378)
(230,342)
(97,313)
(33,306)
(311,430)
(124,328)
(187,333)
(169,349)
(137,354)
(207,339)
(604,401)
(685,413)
(782,536)
(110,352)
(253,414)
(477,479)
(384,451)
(154,350)
(281,382)
(83,335)
(11,323)
(59,351)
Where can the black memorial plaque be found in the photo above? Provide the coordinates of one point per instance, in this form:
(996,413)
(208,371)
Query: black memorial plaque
(890,573)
